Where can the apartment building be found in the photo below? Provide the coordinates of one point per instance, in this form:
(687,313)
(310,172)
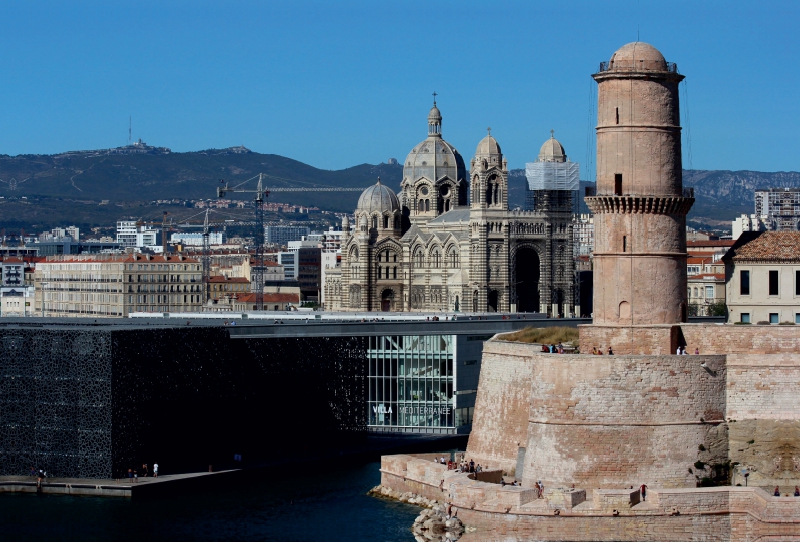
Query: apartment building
(100,285)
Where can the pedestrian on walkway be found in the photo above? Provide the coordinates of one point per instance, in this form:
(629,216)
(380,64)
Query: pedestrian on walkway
(145,470)
(130,476)
(643,491)
(155,470)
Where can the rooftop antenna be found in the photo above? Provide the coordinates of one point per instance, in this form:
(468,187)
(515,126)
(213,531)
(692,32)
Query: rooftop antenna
(637,32)
(129,129)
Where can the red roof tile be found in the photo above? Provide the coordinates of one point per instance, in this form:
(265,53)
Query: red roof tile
(771,246)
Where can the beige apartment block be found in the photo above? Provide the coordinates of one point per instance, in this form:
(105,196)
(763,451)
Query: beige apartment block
(113,286)
(763,271)
(704,291)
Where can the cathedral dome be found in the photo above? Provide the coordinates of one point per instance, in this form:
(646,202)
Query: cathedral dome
(637,55)
(488,145)
(552,151)
(434,157)
(378,199)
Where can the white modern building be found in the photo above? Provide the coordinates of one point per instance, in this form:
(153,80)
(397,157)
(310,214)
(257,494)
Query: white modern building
(291,264)
(282,235)
(134,234)
(196,239)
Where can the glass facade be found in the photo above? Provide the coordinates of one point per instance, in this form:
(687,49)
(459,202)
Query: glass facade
(411,384)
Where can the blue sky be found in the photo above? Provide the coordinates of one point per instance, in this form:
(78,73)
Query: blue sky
(335,84)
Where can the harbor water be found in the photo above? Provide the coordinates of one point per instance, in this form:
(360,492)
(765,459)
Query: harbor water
(316,502)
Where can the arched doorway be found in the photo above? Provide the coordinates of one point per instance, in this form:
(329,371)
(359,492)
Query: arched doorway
(526,271)
(386,300)
(491,301)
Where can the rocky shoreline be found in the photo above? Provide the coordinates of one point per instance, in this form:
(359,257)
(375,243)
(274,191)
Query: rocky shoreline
(433,523)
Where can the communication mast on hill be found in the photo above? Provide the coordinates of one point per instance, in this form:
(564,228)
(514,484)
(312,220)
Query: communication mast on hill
(130,126)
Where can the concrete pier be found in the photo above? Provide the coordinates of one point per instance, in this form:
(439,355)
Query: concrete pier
(146,487)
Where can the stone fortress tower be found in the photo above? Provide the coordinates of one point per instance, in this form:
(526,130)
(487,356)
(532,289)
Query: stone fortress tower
(707,433)
(640,208)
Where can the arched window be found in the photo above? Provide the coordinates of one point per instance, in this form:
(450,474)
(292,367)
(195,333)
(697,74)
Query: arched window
(385,222)
(375,222)
(427,205)
(419,259)
(453,257)
(421,206)
(396,222)
(394,272)
(436,257)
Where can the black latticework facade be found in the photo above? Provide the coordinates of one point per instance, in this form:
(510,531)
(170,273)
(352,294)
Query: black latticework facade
(93,403)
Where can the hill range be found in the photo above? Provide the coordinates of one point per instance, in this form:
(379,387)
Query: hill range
(42,191)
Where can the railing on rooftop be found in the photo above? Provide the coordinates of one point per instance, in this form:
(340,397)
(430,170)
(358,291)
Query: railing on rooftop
(640,66)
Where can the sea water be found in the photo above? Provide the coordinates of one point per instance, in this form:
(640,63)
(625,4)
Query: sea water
(317,503)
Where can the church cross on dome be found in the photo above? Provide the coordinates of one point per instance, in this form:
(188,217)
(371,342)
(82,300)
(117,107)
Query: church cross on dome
(552,134)
(489,129)
(434,97)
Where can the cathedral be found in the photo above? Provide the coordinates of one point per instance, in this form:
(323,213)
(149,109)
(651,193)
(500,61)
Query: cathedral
(448,241)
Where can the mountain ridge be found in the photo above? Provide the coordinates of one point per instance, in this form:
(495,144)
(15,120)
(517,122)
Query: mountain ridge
(137,180)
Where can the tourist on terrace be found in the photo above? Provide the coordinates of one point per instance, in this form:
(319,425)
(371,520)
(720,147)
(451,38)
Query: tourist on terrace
(796,491)
(777,491)
(643,491)
(610,352)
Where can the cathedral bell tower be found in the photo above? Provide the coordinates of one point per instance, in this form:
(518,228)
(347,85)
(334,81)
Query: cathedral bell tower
(640,207)
(489,235)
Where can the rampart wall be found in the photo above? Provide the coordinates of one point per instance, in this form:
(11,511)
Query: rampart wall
(503,402)
(624,420)
(515,514)
(619,421)
(707,338)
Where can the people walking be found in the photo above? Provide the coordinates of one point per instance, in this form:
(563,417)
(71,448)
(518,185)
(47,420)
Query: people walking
(643,491)
(155,470)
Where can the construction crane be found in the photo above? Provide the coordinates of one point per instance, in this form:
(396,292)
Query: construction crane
(257,273)
(206,258)
(206,251)
(261,193)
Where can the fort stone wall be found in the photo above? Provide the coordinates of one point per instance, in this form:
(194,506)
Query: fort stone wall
(741,339)
(619,421)
(502,406)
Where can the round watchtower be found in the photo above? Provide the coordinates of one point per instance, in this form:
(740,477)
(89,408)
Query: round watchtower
(640,207)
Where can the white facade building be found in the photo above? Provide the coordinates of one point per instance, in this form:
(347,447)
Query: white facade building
(132,234)
(291,264)
(196,239)
(17,302)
